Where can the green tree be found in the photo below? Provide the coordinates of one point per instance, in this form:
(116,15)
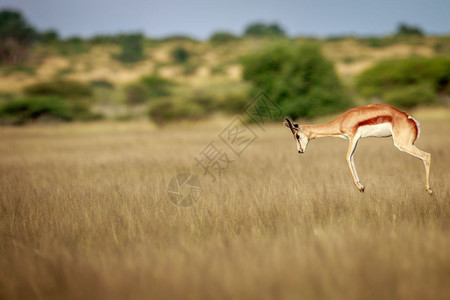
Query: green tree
(259,29)
(16,36)
(49,36)
(132,47)
(298,78)
(408,30)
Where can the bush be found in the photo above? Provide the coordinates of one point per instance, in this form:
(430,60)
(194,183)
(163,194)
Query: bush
(228,98)
(101,83)
(199,103)
(61,88)
(75,94)
(180,54)
(417,75)
(156,86)
(442,45)
(178,38)
(148,87)
(188,104)
(103,39)
(71,46)
(298,78)
(33,108)
(81,112)
(37,108)
(135,94)
(222,37)
(169,109)
(234,102)
(377,42)
(6,96)
(18,68)
(410,96)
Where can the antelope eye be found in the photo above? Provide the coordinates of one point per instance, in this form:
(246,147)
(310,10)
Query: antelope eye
(297,136)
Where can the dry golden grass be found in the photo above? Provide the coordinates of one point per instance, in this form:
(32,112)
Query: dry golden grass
(84,214)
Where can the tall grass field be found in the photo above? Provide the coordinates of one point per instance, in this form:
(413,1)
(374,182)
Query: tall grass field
(85,214)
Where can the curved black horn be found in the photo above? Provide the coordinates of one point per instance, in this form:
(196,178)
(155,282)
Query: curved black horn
(289,124)
(288,121)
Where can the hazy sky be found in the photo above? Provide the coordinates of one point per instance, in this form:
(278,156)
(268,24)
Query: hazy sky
(200,18)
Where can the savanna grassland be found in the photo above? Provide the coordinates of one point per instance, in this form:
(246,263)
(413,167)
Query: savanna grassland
(84,214)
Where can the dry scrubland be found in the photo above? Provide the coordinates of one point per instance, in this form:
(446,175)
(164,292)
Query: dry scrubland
(85,214)
(209,64)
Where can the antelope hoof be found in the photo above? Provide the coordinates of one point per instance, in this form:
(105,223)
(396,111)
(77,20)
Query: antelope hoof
(361,189)
(429,191)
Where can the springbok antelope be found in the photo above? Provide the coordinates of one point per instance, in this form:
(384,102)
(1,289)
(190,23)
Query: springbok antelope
(376,120)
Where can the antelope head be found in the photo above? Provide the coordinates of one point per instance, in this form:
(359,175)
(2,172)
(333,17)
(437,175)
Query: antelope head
(300,137)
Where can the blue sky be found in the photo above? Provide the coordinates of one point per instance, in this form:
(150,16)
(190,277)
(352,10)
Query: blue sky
(200,18)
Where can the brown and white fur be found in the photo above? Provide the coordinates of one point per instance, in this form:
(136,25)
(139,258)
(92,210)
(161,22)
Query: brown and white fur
(377,120)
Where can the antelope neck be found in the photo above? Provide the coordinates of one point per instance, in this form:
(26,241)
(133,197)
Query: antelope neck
(331,128)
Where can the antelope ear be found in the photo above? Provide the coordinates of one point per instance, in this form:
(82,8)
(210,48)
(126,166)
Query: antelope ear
(297,127)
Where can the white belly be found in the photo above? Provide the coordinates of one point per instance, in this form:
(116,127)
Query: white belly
(378,130)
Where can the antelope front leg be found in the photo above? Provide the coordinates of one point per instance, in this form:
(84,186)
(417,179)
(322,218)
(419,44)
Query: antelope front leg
(351,150)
